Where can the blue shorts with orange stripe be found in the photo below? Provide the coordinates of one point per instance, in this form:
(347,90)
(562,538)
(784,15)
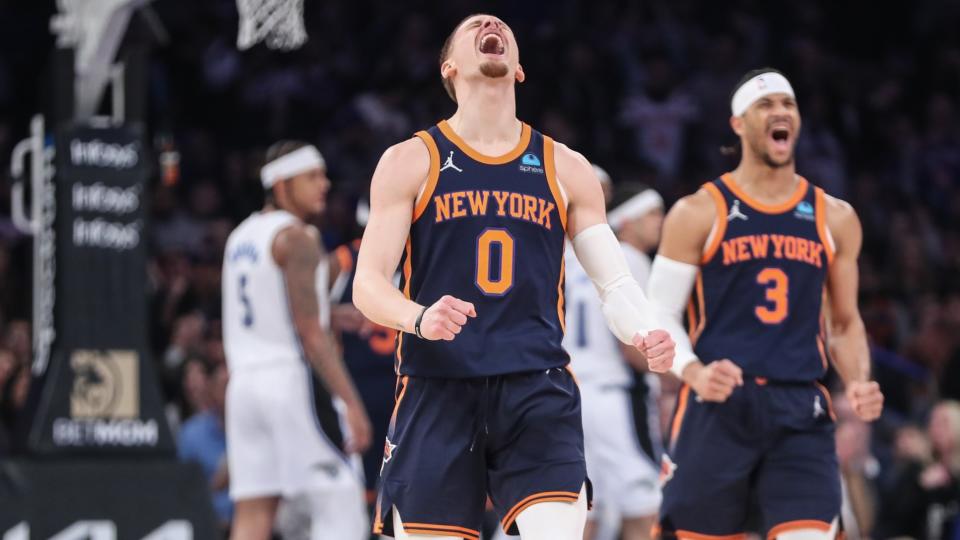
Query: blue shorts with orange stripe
(764,459)
(517,438)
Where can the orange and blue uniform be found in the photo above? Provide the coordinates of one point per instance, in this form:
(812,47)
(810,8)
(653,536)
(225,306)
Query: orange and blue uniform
(495,411)
(758,301)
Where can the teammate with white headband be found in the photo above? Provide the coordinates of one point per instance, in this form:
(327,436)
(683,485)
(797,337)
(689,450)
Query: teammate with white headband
(751,259)
(284,436)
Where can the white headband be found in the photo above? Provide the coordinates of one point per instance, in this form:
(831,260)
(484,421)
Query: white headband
(634,207)
(758,87)
(290,165)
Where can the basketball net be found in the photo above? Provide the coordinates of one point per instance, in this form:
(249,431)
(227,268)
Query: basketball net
(278,23)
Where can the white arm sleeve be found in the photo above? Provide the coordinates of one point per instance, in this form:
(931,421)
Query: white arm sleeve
(625,307)
(669,287)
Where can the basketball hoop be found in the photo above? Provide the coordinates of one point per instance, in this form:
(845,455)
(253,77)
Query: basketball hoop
(278,23)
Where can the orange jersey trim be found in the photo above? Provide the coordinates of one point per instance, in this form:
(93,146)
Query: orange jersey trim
(522,144)
(344,259)
(681,409)
(823,352)
(822,336)
(691,319)
(550,171)
(544,496)
(720,223)
(407,274)
(430,529)
(572,374)
(820,209)
(684,535)
(432,177)
(402,383)
(561,301)
(798,524)
(780,208)
(702,321)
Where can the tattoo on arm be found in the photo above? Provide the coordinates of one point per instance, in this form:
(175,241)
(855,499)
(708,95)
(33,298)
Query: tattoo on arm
(300,273)
(299,270)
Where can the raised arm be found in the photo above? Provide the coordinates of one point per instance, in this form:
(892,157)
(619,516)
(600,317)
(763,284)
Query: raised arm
(297,251)
(686,232)
(848,336)
(397,181)
(628,313)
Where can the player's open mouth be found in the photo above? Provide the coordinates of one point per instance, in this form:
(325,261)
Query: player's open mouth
(492,43)
(780,136)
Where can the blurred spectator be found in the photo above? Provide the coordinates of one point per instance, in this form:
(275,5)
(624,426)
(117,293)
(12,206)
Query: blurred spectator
(17,341)
(13,396)
(202,438)
(659,116)
(924,500)
(8,366)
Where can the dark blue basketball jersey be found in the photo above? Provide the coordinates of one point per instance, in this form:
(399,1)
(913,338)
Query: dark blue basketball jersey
(759,295)
(488,230)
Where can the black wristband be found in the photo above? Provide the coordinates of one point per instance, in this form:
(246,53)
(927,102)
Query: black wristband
(416,325)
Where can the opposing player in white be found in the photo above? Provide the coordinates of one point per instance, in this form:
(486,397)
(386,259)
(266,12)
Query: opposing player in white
(626,486)
(285,438)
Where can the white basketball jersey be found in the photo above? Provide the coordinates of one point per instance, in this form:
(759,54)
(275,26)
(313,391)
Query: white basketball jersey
(594,354)
(257,325)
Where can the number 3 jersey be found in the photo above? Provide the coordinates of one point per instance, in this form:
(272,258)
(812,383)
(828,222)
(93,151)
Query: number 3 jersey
(488,230)
(759,296)
(257,325)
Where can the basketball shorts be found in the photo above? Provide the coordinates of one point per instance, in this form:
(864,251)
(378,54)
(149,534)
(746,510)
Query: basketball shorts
(625,477)
(516,438)
(766,457)
(284,435)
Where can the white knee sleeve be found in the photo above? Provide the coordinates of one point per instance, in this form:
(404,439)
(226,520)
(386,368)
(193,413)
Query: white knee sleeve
(554,520)
(808,533)
(400,534)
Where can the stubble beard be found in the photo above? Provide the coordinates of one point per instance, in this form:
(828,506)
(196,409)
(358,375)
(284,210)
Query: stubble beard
(493,69)
(767,159)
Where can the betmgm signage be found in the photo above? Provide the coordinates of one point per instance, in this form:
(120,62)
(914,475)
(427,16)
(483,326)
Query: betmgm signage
(97,391)
(105,403)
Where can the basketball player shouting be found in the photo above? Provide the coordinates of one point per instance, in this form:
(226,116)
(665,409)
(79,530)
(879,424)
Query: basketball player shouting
(479,206)
(763,248)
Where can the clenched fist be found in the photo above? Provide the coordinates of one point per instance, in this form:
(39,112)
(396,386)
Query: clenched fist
(866,399)
(445,318)
(658,348)
(714,381)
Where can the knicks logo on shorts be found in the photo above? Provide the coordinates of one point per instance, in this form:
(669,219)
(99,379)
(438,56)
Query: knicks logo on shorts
(388,448)
(667,468)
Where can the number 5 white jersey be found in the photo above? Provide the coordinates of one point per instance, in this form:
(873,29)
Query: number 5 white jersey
(257,325)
